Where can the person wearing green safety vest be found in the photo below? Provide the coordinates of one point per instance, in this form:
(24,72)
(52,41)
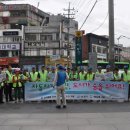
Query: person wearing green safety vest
(42,75)
(89,75)
(33,75)
(69,72)
(126,78)
(24,78)
(81,74)
(17,85)
(9,84)
(117,76)
(74,75)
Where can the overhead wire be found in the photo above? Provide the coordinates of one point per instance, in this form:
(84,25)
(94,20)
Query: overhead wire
(88,14)
(100,24)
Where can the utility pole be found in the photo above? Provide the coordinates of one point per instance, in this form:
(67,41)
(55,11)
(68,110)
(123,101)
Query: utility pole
(70,15)
(111,33)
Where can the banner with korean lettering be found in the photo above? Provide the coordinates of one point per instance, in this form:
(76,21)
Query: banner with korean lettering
(86,90)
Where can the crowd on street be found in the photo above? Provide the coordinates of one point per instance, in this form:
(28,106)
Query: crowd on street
(12,87)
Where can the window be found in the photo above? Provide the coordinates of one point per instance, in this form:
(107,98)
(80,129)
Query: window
(3,53)
(104,50)
(30,37)
(15,53)
(18,13)
(46,37)
(99,50)
(16,39)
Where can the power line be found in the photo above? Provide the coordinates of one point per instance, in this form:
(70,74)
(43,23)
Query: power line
(100,24)
(89,14)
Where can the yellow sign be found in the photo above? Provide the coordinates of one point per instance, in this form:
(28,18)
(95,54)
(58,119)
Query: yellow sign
(78,33)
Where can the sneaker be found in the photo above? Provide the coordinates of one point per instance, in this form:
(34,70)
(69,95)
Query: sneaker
(64,106)
(58,107)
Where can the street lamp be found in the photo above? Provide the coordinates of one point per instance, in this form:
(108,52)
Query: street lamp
(121,36)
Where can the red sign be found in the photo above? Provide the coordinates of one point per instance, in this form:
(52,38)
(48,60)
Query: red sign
(7,61)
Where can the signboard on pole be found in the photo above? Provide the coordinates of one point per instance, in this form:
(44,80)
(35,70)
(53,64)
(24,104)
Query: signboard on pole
(93,61)
(78,48)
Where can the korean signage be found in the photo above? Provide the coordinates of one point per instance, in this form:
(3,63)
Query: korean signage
(10,33)
(35,44)
(13,7)
(11,60)
(9,46)
(78,90)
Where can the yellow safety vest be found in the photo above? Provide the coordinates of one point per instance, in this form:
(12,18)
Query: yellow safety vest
(1,85)
(89,77)
(126,77)
(81,76)
(117,77)
(34,76)
(43,76)
(17,84)
(10,75)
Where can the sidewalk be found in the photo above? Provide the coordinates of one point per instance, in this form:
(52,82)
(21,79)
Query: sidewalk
(34,116)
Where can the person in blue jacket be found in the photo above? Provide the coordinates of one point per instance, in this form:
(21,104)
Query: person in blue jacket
(60,79)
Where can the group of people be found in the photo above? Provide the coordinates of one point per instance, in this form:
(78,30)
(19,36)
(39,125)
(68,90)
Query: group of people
(12,87)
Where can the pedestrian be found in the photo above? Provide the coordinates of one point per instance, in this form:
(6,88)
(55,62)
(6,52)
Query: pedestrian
(24,79)
(81,74)
(74,75)
(42,75)
(126,78)
(34,75)
(117,76)
(9,84)
(89,75)
(51,74)
(59,80)
(17,85)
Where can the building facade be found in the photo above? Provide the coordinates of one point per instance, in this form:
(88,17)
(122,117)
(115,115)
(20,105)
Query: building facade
(52,39)
(10,46)
(95,43)
(12,16)
(39,33)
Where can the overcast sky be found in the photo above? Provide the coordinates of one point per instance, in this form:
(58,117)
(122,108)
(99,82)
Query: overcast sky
(100,12)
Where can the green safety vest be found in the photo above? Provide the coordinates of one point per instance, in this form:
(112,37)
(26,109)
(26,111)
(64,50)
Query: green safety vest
(117,77)
(10,76)
(18,84)
(43,76)
(81,76)
(126,77)
(1,85)
(34,76)
(89,77)
(74,76)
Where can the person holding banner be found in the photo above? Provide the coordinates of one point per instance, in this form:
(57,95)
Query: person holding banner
(116,75)
(9,84)
(33,75)
(126,78)
(42,75)
(17,85)
(89,75)
(51,75)
(60,79)
(99,75)
(74,75)
(81,74)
